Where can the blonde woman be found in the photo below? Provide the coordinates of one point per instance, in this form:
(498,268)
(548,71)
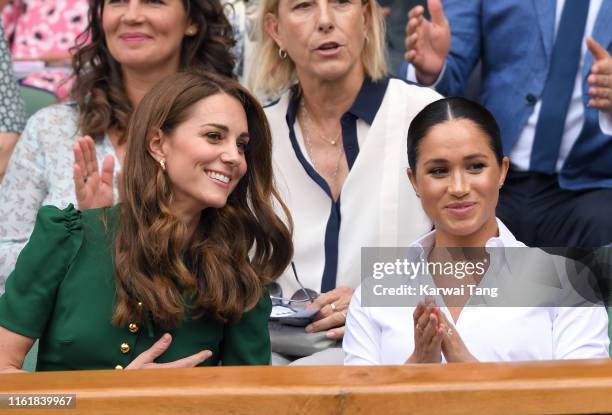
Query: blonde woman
(338,131)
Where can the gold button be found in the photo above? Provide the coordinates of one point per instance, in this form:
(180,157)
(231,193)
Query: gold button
(118,367)
(125,347)
(133,327)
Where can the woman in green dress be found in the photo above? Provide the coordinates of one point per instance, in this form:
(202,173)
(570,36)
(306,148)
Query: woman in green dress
(175,275)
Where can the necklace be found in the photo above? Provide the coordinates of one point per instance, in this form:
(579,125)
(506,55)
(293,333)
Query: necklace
(306,114)
(306,131)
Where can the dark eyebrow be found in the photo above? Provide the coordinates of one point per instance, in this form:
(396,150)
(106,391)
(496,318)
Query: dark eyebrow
(475,156)
(466,158)
(225,129)
(436,161)
(219,126)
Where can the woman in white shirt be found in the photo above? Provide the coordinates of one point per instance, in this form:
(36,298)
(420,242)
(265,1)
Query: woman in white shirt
(338,135)
(458,167)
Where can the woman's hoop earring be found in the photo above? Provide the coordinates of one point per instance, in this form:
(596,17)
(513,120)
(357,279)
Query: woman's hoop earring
(282,53)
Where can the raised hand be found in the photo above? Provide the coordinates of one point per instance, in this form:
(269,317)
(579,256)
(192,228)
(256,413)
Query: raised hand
(93,188)
(333,306)
(600,78)
(427,42)
(428,334)
(146,359)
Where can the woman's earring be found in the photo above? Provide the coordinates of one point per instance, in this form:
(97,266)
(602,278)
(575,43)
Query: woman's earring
(418,195)
(162,163)
(282,53)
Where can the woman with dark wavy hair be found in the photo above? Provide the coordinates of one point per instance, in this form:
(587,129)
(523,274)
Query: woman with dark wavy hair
(175,275)
(127,48)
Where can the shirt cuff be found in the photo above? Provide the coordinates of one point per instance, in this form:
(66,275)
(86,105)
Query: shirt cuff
(411,76)
(605,122)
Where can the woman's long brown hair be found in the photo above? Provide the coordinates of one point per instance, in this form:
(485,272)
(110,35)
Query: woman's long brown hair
(234,251)
(98,83)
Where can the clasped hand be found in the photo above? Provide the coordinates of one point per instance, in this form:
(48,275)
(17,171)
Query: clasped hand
(435,336)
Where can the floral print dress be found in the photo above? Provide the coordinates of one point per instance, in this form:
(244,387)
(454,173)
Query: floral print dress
(38,29)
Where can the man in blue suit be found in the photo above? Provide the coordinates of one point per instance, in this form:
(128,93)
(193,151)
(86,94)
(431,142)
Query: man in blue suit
(547,78)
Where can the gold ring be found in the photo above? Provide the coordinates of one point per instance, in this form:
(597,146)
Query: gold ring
(333,306)
(419,329)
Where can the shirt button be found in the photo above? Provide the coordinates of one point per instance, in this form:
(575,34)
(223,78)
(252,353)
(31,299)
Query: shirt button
(125,348)
(531,99)
(133,327)
(118,367)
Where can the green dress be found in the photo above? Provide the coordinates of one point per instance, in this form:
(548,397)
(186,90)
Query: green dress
(62,292)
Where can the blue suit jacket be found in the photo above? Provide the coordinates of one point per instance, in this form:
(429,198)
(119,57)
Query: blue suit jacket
(514,40)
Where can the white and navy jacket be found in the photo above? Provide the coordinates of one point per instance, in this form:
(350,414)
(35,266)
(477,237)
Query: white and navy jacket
(377,205)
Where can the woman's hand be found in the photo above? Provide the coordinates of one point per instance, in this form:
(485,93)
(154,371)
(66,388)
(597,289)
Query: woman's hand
(428,334)
(94,189)
(333,306)
(452,345)
(13,350)
(145,360)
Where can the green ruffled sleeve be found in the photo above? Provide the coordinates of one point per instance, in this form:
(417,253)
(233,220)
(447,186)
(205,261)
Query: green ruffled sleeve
(248,341)
(31,288)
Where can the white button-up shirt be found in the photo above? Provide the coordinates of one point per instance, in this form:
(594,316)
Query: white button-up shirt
(385,335)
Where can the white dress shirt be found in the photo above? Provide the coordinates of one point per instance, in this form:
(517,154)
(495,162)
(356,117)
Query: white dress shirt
(385,335)
(377,206)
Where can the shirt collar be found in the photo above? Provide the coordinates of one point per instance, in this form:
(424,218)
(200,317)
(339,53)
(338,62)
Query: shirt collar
(369,99)
(500,259)
(503,240)
(366,105)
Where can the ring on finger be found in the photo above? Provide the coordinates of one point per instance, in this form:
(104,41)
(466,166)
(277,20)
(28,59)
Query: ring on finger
(419,328)
(333,306)
(449,332)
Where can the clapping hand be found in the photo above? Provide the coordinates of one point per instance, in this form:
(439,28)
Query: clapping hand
(435,335)
(600,78)
(93,188)
(146,359)
(428,334)
(453,348)
(427,43)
